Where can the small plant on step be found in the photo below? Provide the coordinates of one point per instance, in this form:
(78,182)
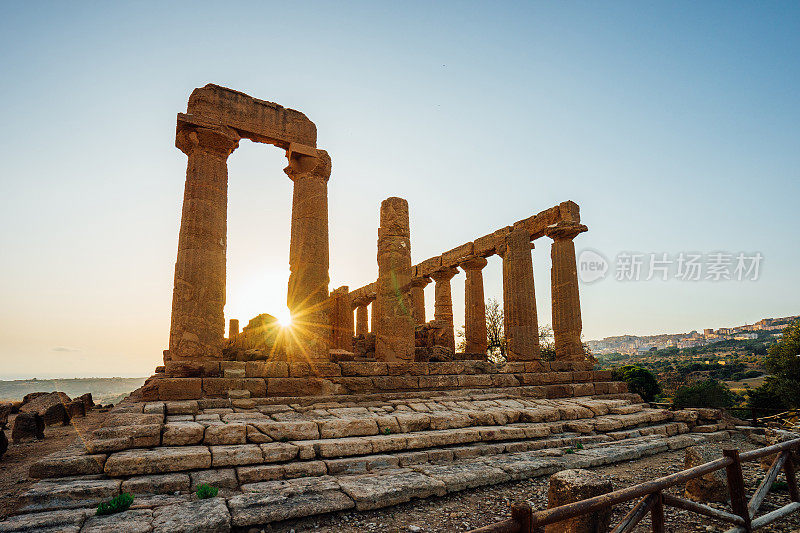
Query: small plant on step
(117,504)
(579,446)
(569,450)
(205,491)
(387,431)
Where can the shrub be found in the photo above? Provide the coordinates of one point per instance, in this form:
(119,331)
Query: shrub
(117,504)
(768,399)
(205,491)
(639,380)
(709,393)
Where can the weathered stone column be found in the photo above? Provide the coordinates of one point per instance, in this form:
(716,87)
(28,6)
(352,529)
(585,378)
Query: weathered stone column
(362,316)
(443,304)
(566,301)
(475,306)
(198,323)
(394,328)
(233,328)
(373,315)
(519,298)
(308,255)
(341,318)
(418,298)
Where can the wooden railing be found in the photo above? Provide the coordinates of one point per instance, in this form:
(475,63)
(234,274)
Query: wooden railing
(654,499)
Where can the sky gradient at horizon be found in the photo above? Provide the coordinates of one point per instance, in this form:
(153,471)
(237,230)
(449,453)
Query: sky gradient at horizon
(674,126)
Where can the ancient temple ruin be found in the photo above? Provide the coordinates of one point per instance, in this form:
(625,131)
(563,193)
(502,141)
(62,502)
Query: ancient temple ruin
(324,331)
(331,416)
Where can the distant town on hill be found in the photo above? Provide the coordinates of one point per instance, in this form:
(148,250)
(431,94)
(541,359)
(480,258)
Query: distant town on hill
(764,329)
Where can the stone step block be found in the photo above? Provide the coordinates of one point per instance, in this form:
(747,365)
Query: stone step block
(373,491)
(210,515)
(130,521)
(64,520)
(157,461)
(156,484)
(68,493)
(59,466)
(275,501)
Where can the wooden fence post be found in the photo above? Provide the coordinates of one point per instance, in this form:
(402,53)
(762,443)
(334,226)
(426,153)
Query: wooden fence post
(736,487)
(522,513)
(657,513)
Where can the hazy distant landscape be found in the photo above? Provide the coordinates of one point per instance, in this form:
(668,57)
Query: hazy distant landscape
(104,390)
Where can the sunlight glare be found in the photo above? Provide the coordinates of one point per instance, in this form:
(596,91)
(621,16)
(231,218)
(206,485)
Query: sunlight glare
(285,318)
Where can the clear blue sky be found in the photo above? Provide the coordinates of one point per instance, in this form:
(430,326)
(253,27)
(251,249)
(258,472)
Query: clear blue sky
(673,125)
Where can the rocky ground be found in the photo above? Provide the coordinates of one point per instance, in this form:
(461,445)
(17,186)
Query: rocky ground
(19,457)
(463,511)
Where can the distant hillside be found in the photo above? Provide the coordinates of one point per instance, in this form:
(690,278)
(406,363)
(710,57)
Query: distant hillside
(104,390)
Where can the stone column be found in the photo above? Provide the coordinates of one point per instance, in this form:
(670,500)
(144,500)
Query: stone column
(362,316)
(566,301)
(443,304)
(341,318)
(233,328)
(197,328)
(308,255)
(519,298)
(394,327)
(373,315)
(475,306)
(418,299)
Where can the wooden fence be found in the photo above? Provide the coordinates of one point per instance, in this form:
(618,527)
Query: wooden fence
(654,499)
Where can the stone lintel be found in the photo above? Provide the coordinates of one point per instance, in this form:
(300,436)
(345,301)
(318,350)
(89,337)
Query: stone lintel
(255,119)
(427,267)
(455,256)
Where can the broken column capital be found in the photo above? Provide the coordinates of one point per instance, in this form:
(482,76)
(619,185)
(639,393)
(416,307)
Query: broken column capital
(474,263)
(218,141)
(444,274)
(304,164)
(565,230)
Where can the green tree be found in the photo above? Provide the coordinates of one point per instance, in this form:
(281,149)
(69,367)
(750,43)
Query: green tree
(709,393)
(639,380)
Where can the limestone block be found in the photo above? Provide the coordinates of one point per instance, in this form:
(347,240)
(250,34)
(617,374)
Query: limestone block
(358,368)
(373,491)
(180,388)
(182,433)
(396,382)
(438,382)
(99,446)
(68,494)
(294,430)
(154,408)
(145,435)
(406,368)
(57,466)
(243,403)
(156,484)
(465,475)
(130,521)
(223,434)
(711,487)
(282,500)
(193,517)
(27,427)
(233,369)
(276,452)
(345,447)
(570,486)
(347,427)
(256,473)
(221,478)
(68,521)
(157,461)
(413,422)
(235,455)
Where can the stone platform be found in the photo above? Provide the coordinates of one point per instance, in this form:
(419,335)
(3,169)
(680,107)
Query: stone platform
(279,459)
(214,379)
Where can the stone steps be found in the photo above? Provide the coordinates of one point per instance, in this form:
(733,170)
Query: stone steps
(66,505)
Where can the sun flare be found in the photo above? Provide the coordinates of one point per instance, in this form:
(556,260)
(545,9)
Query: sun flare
(284,318)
